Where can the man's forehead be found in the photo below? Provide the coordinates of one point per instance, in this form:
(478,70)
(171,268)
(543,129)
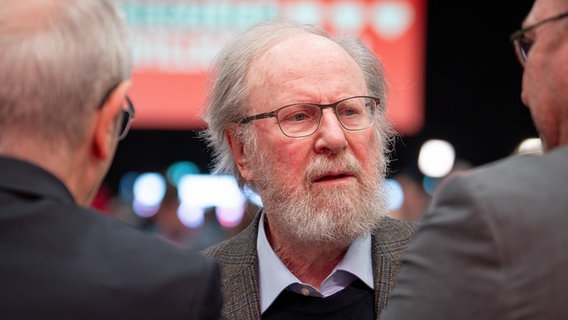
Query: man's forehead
(303,47)
(299,55)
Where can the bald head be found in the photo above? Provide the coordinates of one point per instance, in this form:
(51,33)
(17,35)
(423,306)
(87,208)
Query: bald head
(297,64)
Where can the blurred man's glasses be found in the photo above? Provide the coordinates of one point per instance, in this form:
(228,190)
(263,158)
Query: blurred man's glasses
(303,119)
(126,118)
(523,44)
(126,115)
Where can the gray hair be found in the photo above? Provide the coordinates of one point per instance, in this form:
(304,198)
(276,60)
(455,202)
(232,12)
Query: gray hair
(226,101)
(58,59)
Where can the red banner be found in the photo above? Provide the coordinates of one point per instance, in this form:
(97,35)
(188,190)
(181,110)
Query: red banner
(174,43)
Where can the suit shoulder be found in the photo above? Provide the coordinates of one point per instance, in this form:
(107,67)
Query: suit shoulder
(524,166)
(129,244)
(396,228)
(239,249)
(394,234)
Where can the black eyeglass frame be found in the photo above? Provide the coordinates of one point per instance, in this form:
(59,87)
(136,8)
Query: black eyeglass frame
(126,114)
(274,114)
(523,44)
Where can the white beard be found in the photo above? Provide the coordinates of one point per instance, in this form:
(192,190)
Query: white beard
(306,214)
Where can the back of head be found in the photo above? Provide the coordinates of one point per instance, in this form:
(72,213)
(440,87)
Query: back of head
(58,59)
(228,93)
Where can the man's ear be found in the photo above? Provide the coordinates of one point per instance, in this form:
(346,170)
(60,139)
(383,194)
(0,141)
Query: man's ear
(104,138)
(239,153)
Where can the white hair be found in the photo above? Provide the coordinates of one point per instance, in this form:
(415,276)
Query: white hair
(58,59)
(228,92)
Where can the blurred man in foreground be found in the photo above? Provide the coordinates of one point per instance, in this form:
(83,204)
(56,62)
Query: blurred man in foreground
(64,74)
(494,244)
(300,118)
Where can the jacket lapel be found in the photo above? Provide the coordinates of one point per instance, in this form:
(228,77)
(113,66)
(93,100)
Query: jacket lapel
(389,240)
(238,260)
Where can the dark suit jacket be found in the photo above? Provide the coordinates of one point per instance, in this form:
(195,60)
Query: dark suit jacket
(239,266)
(494,246)
(62,261)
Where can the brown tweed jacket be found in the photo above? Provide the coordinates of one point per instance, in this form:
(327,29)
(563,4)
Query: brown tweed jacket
(237,257)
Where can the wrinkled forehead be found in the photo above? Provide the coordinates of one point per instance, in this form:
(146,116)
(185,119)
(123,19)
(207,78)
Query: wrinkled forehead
(301,60)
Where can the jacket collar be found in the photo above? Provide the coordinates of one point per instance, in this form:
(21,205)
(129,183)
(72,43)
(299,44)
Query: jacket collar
(26,178)
(239,260)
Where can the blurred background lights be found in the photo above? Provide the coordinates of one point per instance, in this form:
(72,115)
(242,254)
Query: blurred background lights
(149,189)
(126,186)
(395,195)
(191,216)
(177,170)
(393,18)
(144,210)
(530,146)
(347,16)
(231,216)
(205,190)
(436,158)
(304,11)
(220,191)
(430,185)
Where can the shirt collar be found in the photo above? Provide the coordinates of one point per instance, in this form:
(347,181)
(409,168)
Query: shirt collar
(275,277)
(358,261)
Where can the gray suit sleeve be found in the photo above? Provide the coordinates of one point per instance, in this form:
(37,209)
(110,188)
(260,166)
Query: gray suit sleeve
(451,269)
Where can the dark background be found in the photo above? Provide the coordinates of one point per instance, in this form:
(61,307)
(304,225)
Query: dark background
(473,86)
(473,82)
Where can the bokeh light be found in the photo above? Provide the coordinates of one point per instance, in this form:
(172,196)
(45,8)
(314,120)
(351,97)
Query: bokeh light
(436,158)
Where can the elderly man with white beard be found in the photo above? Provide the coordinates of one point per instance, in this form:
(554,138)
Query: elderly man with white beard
(299,117)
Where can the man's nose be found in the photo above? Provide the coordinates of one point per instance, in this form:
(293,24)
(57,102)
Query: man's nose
(330,136)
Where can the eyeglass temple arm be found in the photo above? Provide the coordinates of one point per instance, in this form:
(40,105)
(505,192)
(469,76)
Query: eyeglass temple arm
(256,117)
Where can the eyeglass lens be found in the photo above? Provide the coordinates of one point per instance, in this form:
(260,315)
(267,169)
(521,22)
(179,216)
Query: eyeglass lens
(125,119)
(523,45)
(303,119)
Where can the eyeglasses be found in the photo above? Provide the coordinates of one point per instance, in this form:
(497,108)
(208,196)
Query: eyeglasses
(126,118)
(303,119)
(126,115)
(523,44)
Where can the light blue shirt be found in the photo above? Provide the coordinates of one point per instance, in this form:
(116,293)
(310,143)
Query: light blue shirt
(274,277)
